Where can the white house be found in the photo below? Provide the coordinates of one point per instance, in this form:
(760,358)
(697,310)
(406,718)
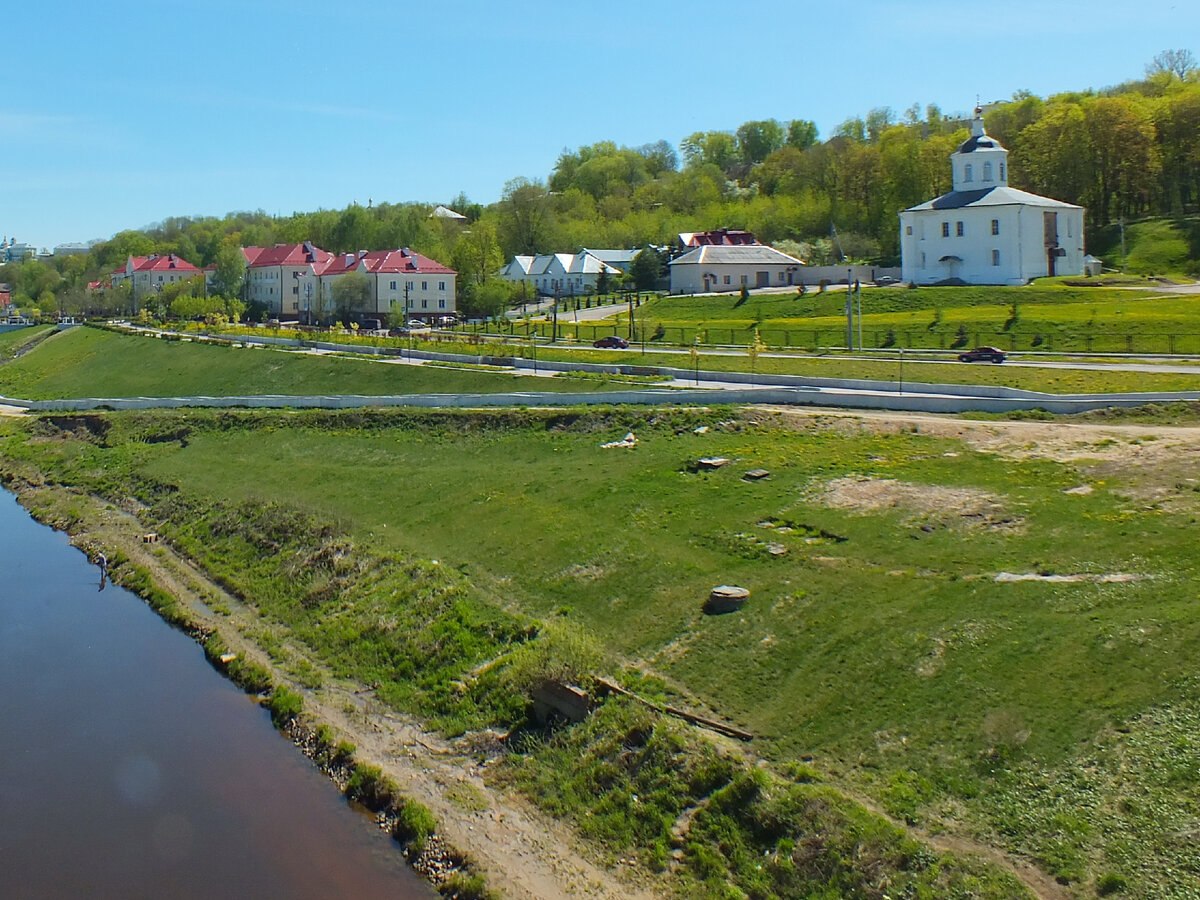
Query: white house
(722,267)
(985,232)
(567,274)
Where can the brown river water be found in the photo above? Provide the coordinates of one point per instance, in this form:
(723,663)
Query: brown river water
(129,768)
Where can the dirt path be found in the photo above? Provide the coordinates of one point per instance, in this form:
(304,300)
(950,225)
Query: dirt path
(523,854)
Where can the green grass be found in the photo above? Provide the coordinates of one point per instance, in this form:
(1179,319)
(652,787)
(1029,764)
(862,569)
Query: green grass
(878,645)
(88,362)
(1053,317)
(12,342)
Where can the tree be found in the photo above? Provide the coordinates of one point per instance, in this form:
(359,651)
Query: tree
(1179,63)
(646,269)
(524,223)
(477,253)
(758,140)
(717,148)
(801,134)
(351,293)
(230,272)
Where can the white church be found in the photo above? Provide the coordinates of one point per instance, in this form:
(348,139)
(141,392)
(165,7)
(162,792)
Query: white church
(985,232)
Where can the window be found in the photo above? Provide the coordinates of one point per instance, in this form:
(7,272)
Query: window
(908,230)
(393,285)
(296,290)
(745,279)
(969,173)
(160,278)
(995,226)
(945,229)
(958,229)
(995,257)
(441,285)
(424,304)
(922,259)
(424,285)
(727,279)
(1001,171)
(441,304)
(408,284)
(987,171)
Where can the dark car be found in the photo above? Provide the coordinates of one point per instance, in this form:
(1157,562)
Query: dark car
(612,342)
(982,354)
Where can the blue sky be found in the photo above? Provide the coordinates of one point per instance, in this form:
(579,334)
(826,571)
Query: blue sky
(118,114)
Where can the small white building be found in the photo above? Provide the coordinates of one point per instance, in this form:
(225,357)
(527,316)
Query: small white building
(985,232)
(721,268)
(566,274)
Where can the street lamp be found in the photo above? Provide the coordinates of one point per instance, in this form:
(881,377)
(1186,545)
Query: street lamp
(901,370)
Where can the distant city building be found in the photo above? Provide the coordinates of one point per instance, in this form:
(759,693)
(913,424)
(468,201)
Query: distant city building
(11,251)
(985,232)
(69,249)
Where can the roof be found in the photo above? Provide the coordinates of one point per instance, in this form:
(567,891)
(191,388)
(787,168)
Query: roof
(444,212)
(993,196)
(750,254)
(156,263)
(287,255)
(716,236)
(586,262)
(518,264)
(384,262)
(541,264)
(979,142)
(613,257)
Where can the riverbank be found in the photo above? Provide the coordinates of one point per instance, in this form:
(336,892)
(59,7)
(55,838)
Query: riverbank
(520,853)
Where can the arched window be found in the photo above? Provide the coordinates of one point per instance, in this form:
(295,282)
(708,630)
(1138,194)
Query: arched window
(987,171)
(968,173)
(1001,171)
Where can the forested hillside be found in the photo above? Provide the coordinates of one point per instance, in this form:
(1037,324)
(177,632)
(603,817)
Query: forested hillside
(1130,151)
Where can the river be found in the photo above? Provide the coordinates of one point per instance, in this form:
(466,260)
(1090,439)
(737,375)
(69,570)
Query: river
(129,768)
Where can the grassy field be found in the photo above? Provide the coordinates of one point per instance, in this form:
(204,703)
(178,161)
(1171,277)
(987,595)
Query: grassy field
(1054,317)
(1053,719)
(88,362)
(12,342)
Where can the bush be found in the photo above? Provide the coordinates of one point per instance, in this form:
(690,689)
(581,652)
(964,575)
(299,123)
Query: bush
(415,824)
(285,705)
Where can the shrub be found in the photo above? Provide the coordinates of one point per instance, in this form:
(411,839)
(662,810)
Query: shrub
(1111,883)
(285,705)
(415,824)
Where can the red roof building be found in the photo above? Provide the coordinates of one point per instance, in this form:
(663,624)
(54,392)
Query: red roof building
(404,284)
(154,272)
(720,237)
(285,279)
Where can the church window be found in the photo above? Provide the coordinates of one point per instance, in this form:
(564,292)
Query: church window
(995,257)
(969,174)
(922,259)
(995,226)
(908,230)
(945,229)
(1001,171)
(987,171)
(958,229)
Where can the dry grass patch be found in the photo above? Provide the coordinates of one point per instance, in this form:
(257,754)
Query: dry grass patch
(927,504)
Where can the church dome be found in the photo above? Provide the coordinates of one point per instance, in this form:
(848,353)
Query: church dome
(979,142)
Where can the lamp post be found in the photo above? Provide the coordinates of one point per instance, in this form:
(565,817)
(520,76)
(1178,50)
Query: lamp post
(902,370)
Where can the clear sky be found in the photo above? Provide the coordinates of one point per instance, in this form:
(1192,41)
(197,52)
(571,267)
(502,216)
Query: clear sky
(120,113)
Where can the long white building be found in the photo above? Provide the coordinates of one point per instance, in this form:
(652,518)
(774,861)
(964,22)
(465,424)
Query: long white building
(985,232)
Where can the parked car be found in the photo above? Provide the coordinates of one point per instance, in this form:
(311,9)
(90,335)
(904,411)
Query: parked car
(886,281)
(416,323)
(982,354)
(612,342)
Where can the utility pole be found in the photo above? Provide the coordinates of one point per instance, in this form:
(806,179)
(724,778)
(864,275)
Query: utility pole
(858,297)
(849,313)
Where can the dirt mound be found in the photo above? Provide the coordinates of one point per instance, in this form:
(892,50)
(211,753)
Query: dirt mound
(929,504)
